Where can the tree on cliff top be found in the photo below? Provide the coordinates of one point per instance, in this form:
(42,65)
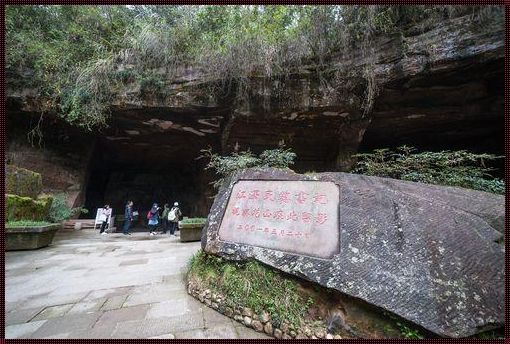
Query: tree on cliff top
(79,56)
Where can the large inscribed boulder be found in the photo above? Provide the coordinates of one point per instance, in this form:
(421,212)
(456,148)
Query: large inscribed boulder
(430,254)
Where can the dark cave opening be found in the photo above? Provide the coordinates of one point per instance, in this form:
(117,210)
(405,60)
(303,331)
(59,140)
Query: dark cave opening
(145,177)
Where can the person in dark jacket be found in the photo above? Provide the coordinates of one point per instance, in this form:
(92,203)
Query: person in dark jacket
(128,217)
(164,218)
(153,217)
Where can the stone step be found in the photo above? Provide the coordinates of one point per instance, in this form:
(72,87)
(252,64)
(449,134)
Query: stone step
(71,225)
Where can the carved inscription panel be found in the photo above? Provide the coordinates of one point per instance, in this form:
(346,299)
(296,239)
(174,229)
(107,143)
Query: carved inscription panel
(300,217)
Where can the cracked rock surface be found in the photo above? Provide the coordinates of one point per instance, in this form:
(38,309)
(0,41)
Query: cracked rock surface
(427,253)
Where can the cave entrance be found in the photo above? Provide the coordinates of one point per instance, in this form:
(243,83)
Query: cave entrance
(147,172)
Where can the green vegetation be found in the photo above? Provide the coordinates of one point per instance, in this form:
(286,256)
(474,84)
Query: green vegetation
(22,182)
(59,210)
(26,223)
(409,333)
(26,208)
(407,330)
(194,220)
(252,285)
(225,166)
(491,334)
(452,168)
(78,57)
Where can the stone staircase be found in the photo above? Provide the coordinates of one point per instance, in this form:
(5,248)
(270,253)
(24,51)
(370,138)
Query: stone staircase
(75,224)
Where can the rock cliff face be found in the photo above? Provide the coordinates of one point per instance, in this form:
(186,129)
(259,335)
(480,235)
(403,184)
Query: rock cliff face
(427,253)
(438,88)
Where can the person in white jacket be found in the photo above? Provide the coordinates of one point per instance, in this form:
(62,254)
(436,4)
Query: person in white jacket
(174,215)
(106,213)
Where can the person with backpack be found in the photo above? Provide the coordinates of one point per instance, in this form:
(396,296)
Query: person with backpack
(164,218)
(173,217)
(128,217)
(153,217)
(105,215)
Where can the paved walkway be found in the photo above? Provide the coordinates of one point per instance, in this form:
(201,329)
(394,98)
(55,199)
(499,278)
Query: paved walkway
(90,286)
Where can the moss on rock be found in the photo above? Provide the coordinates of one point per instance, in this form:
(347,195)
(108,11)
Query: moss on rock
(26,208)
(22,182)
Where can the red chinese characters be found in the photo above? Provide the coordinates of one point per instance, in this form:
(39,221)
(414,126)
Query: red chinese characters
(321,218)
(284,197)
(278,232)
(241,194)
(303,217)
(254,194)
(278,215)
(301,197)
(293,216)
(268,195)
(255,213)
(306,217)
(320,199)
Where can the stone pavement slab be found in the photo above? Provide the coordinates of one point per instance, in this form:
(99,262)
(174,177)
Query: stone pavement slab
(123,314)
(65,325)
(154,327)
(164,336)
(53,312)
(145,298)
(134,262)
(114,302)
(87,306)
(216,332)
(22,330)
(108,293)
(22,315)
(213,318)
(90,286)
(96,332)
(172,308)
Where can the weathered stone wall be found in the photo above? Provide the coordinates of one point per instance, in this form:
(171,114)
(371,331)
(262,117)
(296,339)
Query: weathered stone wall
(62,158)
(438,87)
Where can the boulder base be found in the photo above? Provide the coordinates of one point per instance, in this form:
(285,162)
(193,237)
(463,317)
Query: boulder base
(427,253)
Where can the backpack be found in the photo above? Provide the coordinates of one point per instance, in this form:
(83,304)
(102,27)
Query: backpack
(172,215)
(149,215)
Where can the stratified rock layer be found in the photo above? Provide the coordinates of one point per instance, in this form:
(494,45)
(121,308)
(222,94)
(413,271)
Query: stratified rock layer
(427,253)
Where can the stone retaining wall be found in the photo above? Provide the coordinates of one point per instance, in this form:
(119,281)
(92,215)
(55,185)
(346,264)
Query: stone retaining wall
(259,322)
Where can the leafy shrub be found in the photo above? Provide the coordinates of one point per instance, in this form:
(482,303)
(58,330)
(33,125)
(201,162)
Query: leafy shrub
(59,210)
(225,166)
(22,182)
(26,208)
(26,223)
(151,85)
(279,158)
(194,220)
(452,168)
(75,51)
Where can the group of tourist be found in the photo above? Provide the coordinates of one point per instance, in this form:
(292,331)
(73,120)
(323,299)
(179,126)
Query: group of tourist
(166,218)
